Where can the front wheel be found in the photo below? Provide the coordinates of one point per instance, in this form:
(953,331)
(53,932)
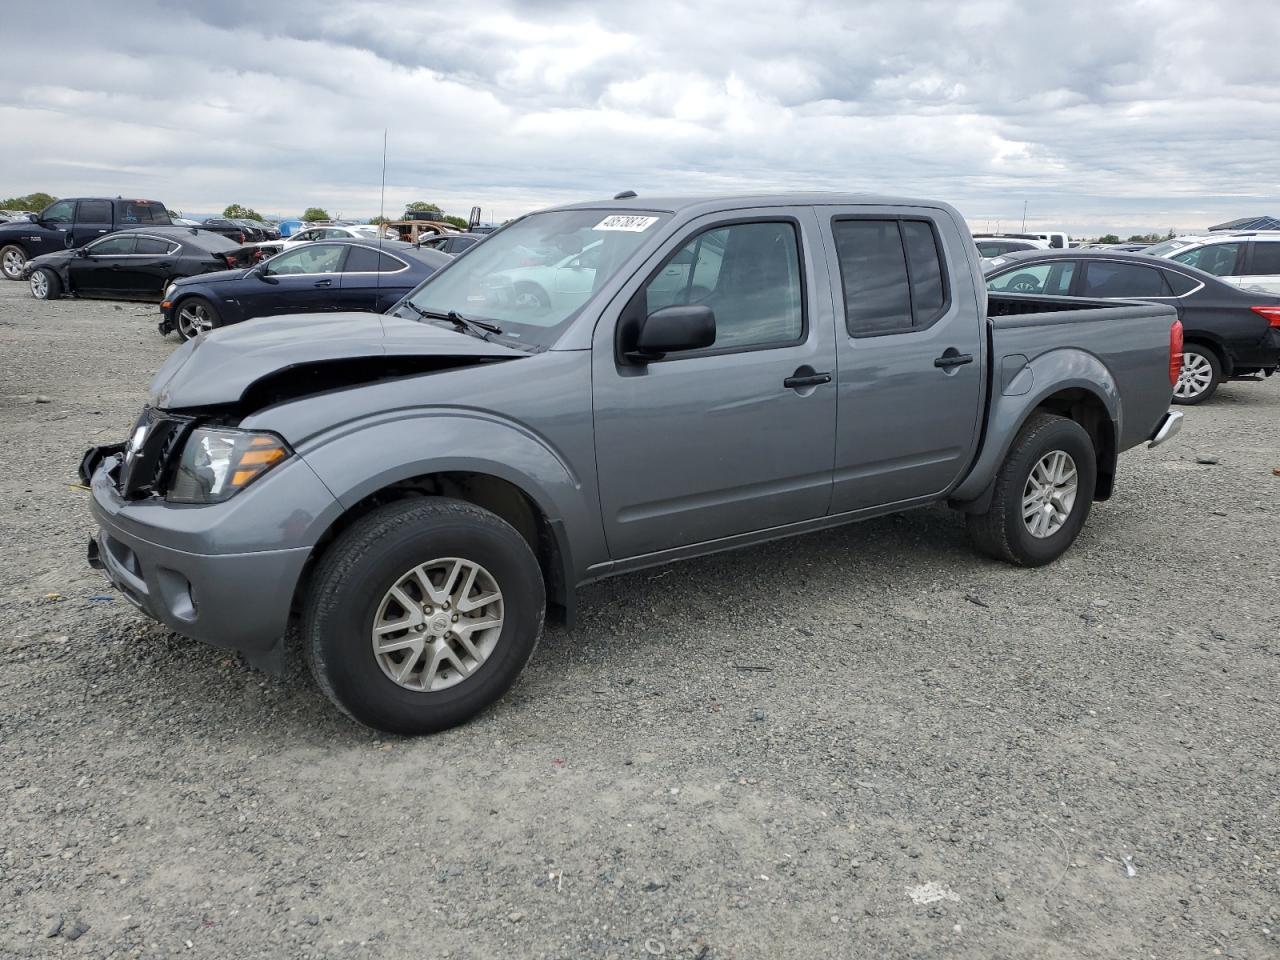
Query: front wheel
(195,316)
(13,260)
(45,285)
(1199,377)
(422,613)
(1042,494)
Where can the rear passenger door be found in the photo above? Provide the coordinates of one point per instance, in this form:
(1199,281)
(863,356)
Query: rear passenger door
(1262,268)
(910,361)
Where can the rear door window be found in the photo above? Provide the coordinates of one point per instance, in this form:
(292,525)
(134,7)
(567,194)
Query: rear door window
(369,260)
(94,211)
(1266,258)
(1220,259)
(892,275)
(1108,279)
(154,246)
(1179,283)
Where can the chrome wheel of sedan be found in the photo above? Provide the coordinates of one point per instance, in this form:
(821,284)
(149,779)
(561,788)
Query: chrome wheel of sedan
(40,285)
(438,624)
(1194,378)
(194,318)
(1050,494)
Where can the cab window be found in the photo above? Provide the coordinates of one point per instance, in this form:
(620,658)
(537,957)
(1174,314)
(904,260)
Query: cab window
(61,212)
(747,273)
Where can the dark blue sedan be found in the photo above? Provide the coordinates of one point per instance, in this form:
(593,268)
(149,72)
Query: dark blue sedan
(313,278)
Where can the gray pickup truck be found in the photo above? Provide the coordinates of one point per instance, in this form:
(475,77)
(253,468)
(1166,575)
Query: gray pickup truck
(596,389)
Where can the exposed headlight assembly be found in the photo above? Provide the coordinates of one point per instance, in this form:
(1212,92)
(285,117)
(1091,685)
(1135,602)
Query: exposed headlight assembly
(218,462)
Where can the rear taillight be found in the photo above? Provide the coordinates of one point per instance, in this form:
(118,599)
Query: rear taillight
(241,238)
(1271,313)
(1175,352)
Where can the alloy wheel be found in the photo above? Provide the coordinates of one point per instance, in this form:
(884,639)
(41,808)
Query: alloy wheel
(40,285)
(13,263)
(438,624)
(1195,376)
(193,320)
(1050,494)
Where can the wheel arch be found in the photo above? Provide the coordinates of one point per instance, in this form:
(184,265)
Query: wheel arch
(1209,341)
(546,536)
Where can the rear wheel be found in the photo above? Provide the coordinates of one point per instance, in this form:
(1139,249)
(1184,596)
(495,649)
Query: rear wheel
(45,285)
(1042,494)
(195,316)
(422,613)
(13,260)
(1200,375)
(1024,283)
(530,296)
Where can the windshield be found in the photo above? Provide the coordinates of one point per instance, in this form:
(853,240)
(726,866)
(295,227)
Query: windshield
(1161,249)
(532,277)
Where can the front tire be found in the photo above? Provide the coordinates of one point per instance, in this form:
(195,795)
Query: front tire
(1199,377)
(1042,494)
(13,260)
(195,316)
(45,285)
(422,613)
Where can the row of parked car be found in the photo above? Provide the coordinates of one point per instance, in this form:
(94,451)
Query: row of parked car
(223,271)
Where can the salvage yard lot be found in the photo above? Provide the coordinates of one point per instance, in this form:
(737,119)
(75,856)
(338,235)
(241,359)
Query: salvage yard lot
(739,756)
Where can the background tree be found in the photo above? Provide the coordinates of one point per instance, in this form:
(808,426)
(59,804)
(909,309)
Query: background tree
(1109,238)
(34,202)
(237,212)
(421,206)
(315,213)
(379,220)
(459,222)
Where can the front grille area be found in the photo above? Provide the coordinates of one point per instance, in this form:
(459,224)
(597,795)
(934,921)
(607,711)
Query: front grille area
(147,463)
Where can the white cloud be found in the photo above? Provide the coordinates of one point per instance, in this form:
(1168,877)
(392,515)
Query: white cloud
(1102,116)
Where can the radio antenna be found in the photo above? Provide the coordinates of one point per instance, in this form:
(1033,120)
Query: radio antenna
(382,224)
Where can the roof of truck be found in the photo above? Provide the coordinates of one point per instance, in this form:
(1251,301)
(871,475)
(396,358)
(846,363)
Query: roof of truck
(712,202)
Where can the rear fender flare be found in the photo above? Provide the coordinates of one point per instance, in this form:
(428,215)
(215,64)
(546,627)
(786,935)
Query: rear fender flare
(1069,368)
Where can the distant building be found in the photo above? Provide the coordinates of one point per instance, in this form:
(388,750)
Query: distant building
(1249,223)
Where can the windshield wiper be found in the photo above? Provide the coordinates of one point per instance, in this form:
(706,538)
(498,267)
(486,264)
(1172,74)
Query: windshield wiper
(478,328)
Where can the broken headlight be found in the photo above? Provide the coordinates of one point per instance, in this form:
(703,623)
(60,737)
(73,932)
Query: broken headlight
(218,462)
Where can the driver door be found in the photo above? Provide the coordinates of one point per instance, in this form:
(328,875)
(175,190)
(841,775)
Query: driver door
(304,280)
(102,267)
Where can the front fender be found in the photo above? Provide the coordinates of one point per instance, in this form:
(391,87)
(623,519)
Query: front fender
(363,457)
(1020,388)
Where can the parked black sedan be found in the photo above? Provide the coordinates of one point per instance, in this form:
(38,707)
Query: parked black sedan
(137,263)
(313,278)
(1229,332)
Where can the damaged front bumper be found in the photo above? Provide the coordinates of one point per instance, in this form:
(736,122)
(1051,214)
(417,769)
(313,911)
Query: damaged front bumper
(239,600)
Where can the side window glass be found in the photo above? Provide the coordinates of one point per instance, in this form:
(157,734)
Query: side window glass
(60,212)
(1179,283)
(312,258)
(928,290)
(388,264)
(94,211)
(748,273)
(1220,259)
(1050,279)
(1107,279)
(1266,258)
(361,260)
(152,245)
(873,272)
(112,246)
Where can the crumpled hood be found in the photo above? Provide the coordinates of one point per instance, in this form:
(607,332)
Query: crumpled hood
(218,367)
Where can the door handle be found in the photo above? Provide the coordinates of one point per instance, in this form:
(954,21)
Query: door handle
(324,283)
(951,357)
(798,380)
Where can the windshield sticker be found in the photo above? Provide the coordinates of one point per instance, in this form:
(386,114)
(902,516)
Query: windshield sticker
(626,223)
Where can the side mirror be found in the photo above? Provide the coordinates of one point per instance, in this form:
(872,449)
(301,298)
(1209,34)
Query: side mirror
(673,329)
(82,252)
(260,271)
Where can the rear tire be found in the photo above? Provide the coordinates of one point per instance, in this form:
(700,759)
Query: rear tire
(369,582)
(1200,375)
(45,284)
(1035,512)
(13,260)
(194,316)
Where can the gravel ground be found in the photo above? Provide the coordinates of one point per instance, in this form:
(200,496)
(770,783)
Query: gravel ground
(864,742)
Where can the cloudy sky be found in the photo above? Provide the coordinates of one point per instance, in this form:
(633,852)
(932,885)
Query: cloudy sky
(1145,114)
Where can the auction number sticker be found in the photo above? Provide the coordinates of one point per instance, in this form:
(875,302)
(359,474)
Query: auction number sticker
(627,223)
